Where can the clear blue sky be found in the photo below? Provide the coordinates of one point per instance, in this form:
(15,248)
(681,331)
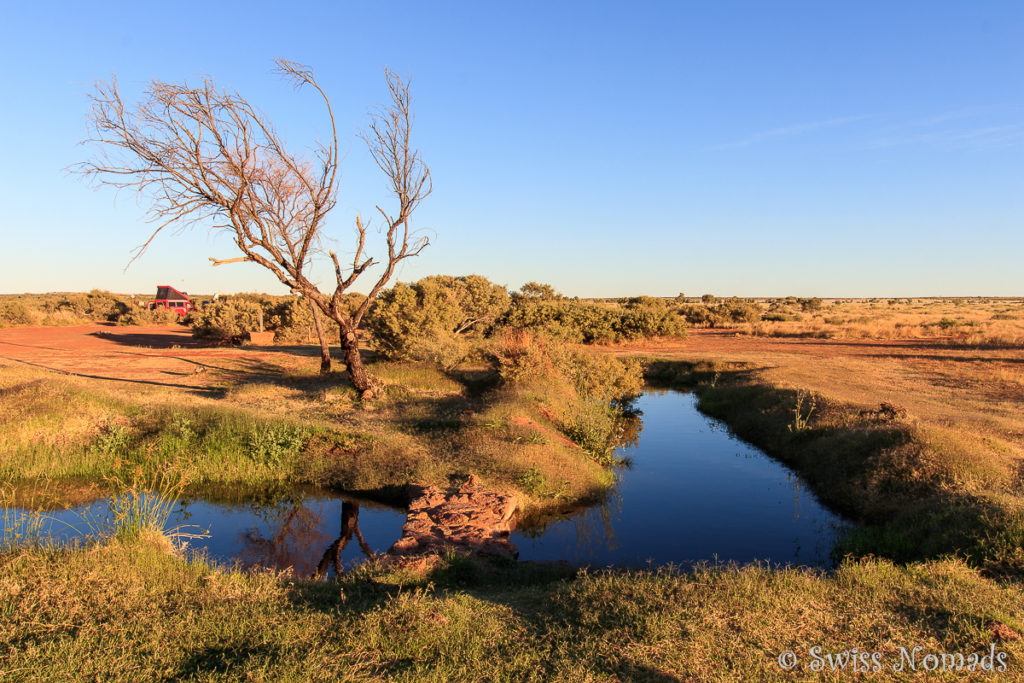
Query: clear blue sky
(736,148)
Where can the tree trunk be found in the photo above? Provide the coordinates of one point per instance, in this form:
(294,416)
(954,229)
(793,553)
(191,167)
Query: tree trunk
(357,374)
(325,349)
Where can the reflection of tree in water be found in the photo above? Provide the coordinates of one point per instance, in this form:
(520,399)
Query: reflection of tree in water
(293,529)
(349,528)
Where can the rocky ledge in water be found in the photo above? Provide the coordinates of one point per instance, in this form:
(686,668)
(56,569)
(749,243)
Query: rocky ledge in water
(465,520)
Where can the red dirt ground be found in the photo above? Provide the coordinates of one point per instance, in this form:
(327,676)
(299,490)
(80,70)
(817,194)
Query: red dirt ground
(952,385)
(150,352)
(108,351)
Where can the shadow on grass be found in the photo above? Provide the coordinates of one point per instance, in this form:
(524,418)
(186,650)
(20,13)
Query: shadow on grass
(223,659)
(208,392)
(477,381)
(427,416)
(528,590)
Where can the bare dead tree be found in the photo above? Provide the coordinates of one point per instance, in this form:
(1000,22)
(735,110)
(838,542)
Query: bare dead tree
(207,156)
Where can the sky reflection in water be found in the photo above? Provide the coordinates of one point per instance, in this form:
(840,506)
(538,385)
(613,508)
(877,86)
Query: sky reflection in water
(694,492)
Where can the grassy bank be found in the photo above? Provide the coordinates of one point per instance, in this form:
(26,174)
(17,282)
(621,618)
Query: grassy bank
(65,435)
(132,611)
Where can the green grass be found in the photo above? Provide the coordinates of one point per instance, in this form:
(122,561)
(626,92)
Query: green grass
(201,444)
(131,610)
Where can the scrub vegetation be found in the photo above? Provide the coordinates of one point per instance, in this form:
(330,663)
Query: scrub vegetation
(915,437)
(467,306)
(22,310)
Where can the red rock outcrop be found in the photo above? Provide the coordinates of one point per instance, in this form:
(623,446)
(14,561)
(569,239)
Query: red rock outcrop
(464,520)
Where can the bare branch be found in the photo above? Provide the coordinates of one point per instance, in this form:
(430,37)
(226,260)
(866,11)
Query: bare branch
(221,262)
(205,155)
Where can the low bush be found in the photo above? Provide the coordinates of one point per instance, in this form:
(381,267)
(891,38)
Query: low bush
(783,317)
(522,355)
(642,320)
(812,304)
(143,316)
(63,309)
(432,319)
(15,313)
(723,314)
(540,308)
(227,319)
(292,321)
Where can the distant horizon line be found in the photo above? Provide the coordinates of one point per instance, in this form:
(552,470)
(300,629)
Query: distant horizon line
(622,296)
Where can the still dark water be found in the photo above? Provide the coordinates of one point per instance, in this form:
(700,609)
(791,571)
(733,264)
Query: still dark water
(293,531)
(693,493)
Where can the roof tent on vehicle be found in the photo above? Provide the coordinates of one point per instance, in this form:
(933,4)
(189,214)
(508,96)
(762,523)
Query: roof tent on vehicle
(170,294)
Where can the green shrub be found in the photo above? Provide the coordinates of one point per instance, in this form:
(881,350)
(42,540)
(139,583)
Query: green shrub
(415,320)
(601,378)
(276,444)
(651,301)
(543,310)
(522,356)
(592,413)
(728,312)
(591,425)
(113,440)
(444,349)
(229,318)
(538,290)
(641,321)
(13,313)
(812,304)
(143,316)
(699,316)
(784,317)
(292,321)
(62,309)
(737,311)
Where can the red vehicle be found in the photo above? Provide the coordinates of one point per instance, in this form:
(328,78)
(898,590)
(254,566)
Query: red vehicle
(169,297)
